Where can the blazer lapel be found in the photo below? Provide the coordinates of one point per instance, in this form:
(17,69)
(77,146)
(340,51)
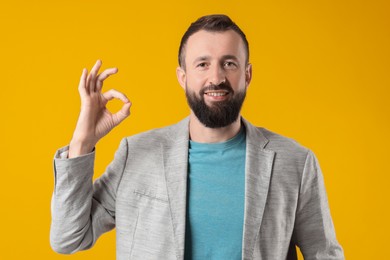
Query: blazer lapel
(175,154)
(258,173)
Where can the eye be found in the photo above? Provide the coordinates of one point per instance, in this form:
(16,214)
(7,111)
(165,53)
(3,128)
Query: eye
(230,64)
(202,65)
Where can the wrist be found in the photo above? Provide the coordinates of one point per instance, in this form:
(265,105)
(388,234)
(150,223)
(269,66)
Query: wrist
(78,148)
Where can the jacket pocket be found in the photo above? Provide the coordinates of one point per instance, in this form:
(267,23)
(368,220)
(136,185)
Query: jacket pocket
(150,194)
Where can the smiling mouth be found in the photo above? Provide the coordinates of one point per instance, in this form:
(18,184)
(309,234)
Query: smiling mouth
(216,93)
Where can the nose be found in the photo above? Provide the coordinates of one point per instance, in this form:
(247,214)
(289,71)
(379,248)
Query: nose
(217,75)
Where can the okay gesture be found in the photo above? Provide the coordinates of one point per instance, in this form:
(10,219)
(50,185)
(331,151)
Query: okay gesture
(95,120)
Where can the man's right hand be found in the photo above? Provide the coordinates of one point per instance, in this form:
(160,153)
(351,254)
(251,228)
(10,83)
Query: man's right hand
(95,120)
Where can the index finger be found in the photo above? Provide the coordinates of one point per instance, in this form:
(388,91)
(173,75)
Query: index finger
(103,76)
(91,80)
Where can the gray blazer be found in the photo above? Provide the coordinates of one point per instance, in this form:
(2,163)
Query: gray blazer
(143,194)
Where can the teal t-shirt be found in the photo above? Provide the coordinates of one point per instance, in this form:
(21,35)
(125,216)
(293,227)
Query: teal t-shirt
(215,199)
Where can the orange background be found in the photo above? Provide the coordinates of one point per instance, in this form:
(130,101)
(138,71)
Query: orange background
(320,76)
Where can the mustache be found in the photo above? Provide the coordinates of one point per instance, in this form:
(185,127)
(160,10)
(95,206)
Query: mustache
(222,86)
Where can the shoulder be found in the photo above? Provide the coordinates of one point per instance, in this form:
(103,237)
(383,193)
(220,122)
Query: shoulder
(269,140)
(289,156)
(164,135)
(145,152)
(278,142)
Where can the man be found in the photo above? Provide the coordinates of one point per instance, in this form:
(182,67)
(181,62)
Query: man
(212,186)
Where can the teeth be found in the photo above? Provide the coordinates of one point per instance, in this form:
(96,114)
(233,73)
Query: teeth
(216,94)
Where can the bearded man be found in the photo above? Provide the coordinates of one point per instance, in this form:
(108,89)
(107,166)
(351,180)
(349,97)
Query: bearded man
(212,186)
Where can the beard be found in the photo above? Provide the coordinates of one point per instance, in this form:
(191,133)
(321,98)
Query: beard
(220,113)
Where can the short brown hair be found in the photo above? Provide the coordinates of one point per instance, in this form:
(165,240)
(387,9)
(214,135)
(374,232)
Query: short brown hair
(211,23)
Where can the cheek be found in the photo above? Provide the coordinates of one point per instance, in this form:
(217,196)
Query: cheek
(237,80)
(196,82)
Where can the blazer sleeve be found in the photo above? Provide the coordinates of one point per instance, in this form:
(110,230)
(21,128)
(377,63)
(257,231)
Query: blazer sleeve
(314,232)
(82,211)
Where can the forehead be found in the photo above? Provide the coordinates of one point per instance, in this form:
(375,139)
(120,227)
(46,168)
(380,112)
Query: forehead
(214,45)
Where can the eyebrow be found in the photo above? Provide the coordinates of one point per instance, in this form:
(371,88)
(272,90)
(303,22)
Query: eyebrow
(201,58)
(230,57)
(207,57)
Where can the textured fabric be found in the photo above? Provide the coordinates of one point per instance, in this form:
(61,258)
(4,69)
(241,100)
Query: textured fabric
(215,199)
(143,194)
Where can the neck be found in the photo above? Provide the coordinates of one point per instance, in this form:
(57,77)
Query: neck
(202,134)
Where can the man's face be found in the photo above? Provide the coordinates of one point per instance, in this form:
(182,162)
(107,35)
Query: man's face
(215,77)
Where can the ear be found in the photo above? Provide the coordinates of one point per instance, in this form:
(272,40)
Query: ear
(181,77)
(248,74)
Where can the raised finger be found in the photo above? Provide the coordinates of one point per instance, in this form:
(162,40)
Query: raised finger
(112,93)
(83,81)
(103,76)
(91,80)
